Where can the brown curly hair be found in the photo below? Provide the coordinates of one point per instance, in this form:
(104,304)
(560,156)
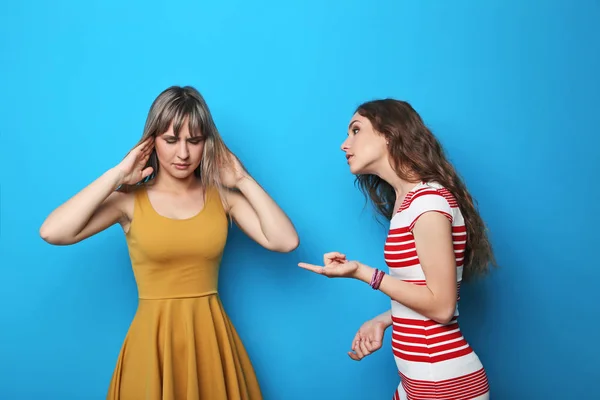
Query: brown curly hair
(416,154)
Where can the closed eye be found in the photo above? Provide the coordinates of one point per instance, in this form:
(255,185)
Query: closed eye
(196,140)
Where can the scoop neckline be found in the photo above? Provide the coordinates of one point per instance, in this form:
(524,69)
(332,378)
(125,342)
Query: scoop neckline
(206,195)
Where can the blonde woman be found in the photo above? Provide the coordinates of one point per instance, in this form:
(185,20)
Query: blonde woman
(173,195)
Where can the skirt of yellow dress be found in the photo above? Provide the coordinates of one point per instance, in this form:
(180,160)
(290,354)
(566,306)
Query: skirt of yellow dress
(183,349)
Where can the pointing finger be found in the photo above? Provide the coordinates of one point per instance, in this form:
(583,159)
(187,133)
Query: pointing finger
(311,267)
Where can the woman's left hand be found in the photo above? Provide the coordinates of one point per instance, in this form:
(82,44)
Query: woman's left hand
(335,266)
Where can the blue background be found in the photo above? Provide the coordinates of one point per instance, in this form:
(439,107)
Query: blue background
(510,87)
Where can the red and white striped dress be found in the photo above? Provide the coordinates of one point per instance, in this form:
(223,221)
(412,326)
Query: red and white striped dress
(434,360)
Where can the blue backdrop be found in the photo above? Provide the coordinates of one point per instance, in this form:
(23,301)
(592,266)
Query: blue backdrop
(510,87)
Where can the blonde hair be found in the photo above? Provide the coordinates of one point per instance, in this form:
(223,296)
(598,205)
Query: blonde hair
(173,106)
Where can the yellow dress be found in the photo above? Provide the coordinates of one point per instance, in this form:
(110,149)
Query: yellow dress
(181,344)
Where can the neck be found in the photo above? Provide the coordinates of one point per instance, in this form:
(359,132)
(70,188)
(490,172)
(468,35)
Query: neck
(400,186)
(169,183)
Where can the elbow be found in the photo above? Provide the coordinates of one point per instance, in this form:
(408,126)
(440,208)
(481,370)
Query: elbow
(51,237)
(46,235)
(444,314)
(289,245)
(443,319)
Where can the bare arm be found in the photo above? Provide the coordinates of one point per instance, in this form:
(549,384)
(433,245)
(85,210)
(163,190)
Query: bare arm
(90,211)
(385,318)
(436,300)
(98,205)
(259,216)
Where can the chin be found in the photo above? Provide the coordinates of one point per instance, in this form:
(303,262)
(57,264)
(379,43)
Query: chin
(179,174)
(356,170)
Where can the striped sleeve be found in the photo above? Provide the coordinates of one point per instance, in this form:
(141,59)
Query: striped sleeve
(427,200)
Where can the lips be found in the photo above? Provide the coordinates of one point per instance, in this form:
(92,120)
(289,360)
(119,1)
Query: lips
(181,166)
(349,156)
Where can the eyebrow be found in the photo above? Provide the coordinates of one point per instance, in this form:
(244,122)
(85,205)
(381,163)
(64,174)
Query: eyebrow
(350,125)
(199,137)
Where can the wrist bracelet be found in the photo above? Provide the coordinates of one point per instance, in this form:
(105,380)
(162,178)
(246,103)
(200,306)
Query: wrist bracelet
(376,279)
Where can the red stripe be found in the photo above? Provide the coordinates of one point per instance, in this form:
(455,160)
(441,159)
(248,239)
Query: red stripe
(409,197)
(399,231)
(459,246)
(443,192)
(429,352)
(449,197)
(433,359)
(432,328)
(406,201)
(418,282)
(458,234)
(399,246)
(451,202)
(420,322)
(412,225)
(414,330)
(403,264)
(423,192)
(396,335)
(401,256)
(463,387)
(459,238)
(431,334)
(407,245)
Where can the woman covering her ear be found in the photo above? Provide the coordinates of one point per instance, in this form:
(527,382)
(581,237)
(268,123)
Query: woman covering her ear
(173,195)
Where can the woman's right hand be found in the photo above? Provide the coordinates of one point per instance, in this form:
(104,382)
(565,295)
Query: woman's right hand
(368,339)
(131,168)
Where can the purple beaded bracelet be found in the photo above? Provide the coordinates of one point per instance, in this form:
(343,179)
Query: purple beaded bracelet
(376,279)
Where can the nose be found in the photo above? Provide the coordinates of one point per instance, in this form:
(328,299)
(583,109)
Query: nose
(346,144)
(183,151)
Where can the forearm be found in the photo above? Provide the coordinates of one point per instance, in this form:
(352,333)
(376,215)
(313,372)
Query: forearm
(274,223)
(67,220)
(416,297)
(385,317)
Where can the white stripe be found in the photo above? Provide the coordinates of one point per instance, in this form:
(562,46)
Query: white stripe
(404,259)
(398,251)
(428,345)
(388,243)
(399,234)
(426,327)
